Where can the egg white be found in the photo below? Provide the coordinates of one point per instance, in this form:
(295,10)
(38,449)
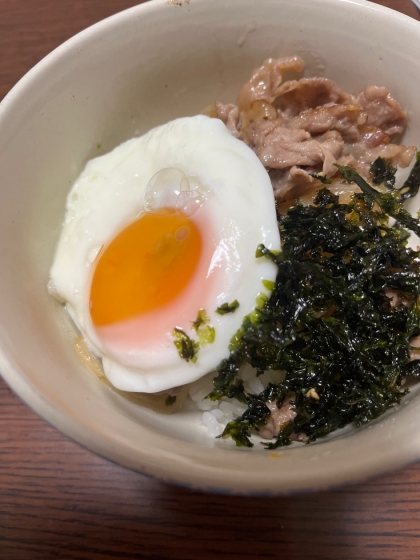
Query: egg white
(109,194)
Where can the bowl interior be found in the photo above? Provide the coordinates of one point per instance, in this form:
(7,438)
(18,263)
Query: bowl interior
(117,80)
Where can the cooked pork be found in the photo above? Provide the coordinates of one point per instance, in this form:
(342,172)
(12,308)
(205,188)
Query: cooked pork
(290,183)
(278,417)
(345,119)
(382,110)
(308,93)
(231,116)
(304,126)
(266,80)
(279,147)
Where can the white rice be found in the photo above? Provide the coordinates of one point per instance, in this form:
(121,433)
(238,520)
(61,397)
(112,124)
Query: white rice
(216,414)
(213,426)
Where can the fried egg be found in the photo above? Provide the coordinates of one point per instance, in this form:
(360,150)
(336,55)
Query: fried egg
(158,235)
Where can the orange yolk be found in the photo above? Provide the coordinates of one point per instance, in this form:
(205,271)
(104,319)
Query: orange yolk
(146,266)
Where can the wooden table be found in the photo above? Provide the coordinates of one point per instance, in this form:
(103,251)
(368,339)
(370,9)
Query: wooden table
(58,500)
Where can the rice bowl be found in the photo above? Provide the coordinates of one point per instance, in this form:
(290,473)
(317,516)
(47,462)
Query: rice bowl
(37,358)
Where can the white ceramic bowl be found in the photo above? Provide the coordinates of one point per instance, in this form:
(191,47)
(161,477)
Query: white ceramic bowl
(117,79)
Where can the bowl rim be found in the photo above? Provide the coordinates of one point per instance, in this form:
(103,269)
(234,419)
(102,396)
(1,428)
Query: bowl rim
(204,478)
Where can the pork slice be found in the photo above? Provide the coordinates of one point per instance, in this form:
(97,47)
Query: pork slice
(265,80)
(383,110)
(296,96)
(399,155)
(373,136)
(263,132)
(361,156)
(297,182)
(279,147)
(345,119)
(284,148)
(290,184)
(303,438)
(396,299)
(260,110)
(415,342)
(279,179)
(278,417)
(349,160)
(230,115)
(332,146)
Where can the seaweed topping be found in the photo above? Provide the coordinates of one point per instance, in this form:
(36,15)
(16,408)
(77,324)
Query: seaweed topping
(390,202)
(205,332)
(206,335)
(187,348)
(412,184)
(227,308)
(202,319)
(340,319)
(321,177)
(383,172)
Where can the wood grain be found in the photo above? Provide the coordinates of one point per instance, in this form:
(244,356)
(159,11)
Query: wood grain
(404,6)
(58,500)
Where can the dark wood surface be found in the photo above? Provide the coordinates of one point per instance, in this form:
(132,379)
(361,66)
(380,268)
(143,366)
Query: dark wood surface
(58,500)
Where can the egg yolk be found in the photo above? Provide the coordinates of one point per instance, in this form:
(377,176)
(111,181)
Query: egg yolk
(146,266)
